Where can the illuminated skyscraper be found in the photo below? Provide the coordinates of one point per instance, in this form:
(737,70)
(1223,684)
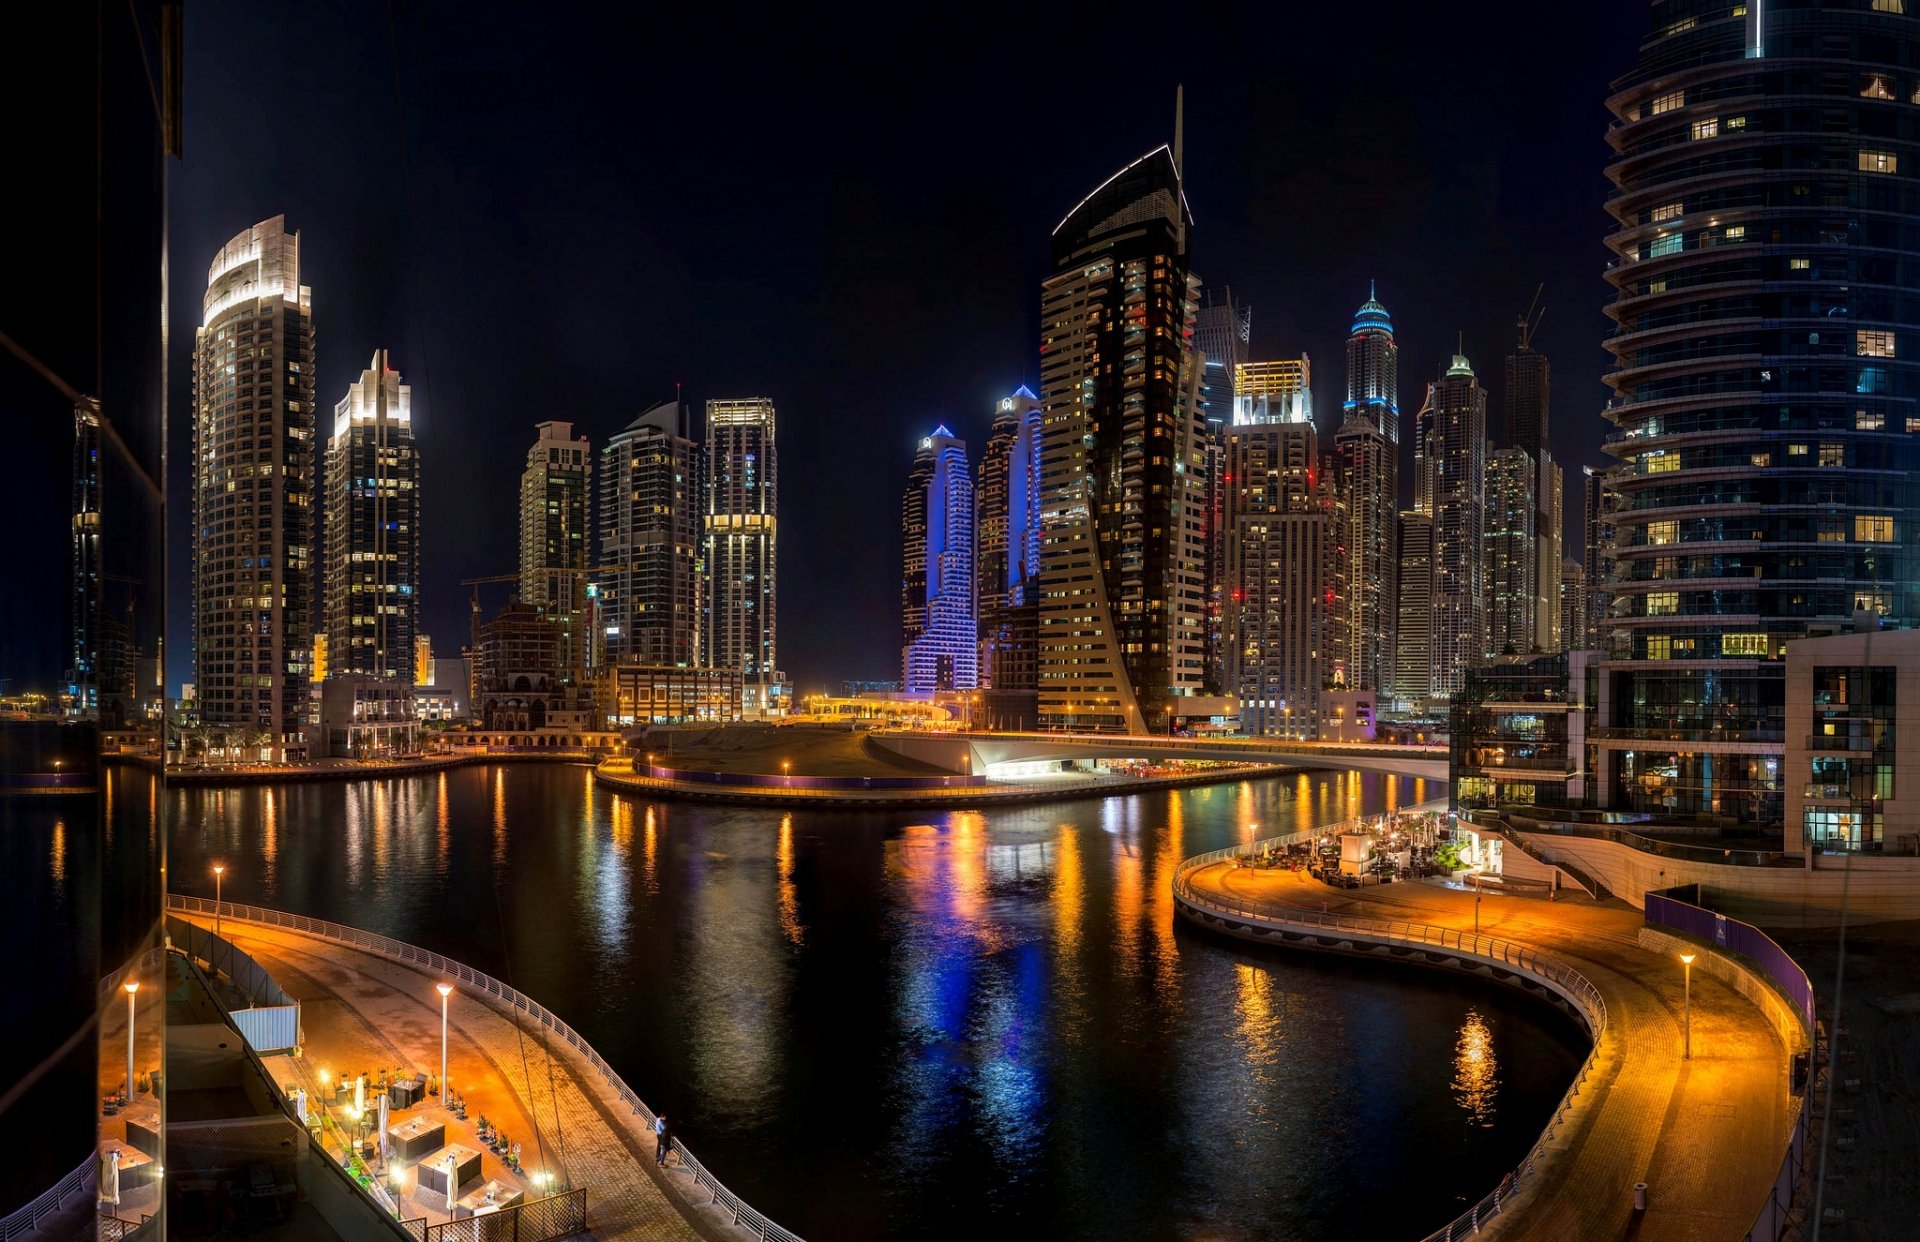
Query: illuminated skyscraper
(1222,329)
(254,466)
(1599,501)
(1273,392)
(1367,452)
(1573,603)
(1413,637)
(939,647)
(1529,386)
(1007,563)
(83,687)
(1459,525)
(371,552)
(1512,552)
(742,545)
(1123,562)
(647,578)
(555,500)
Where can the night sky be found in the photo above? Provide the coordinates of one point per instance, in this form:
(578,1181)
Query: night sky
(549,214)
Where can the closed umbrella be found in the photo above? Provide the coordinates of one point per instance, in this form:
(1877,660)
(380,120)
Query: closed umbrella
(360,1094)
(300,1104)
(110,1176)
(383,1125)
(452,1190)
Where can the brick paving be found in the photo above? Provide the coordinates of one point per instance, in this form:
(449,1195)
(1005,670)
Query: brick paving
(361,1011)
(1707,1135)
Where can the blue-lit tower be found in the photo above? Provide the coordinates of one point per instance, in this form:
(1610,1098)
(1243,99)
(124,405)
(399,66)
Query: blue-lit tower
(939,647)
(1367,462)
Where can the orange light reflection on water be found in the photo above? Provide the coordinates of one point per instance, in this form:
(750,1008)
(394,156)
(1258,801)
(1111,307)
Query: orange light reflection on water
(790,926)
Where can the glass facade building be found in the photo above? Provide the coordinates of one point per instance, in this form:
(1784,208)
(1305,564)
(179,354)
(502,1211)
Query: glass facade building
(939,638)
(1367,452)
(372,544)
(1766,409)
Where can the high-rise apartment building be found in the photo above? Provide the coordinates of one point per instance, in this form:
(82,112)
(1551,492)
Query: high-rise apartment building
(1273,392)
(556,499)
(1512,549)
(939,648)
(1459,525)
(647,580)
(1367,452)
(742,546)
(1222,330)
(89,575)
(1573,602)
(1278,562)
(254,467)
(1007,563)
(1528,424)
(1766,311)
(1529,390)
(1413,637)
(370,554)
(1123,564)
(1598,505)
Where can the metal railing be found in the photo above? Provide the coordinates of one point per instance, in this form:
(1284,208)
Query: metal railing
(1561,977)
(531,1220)
(744,1216)
(26,1219)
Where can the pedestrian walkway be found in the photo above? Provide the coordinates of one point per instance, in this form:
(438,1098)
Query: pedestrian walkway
(1707,1135)
(360,1011)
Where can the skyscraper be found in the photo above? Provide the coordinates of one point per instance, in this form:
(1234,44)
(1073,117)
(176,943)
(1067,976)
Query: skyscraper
(1529,387)
(1007,563)
(1273,392)
(1123,556)
(1528,423)
(1413,638)
(647,577)
(742,544)
(1459,525)
(371,550)
(1512,550)
(253,490)
(1765,303)
(1573,602)
(89,577)
(1597,517)
(1277,558)
(555,500)
(1367,449)
(1222,329)
(939,647)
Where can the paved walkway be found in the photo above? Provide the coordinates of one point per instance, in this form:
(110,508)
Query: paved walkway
(360,1011)
(1707,1135)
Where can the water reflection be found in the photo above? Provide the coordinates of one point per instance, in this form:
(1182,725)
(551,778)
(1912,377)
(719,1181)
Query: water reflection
(789,896)
(1476,1072)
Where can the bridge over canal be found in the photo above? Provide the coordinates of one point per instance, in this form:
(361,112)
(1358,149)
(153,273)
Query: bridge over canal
(980,752)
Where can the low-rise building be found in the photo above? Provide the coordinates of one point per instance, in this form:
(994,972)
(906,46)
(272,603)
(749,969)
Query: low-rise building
(365,717)
(668,693)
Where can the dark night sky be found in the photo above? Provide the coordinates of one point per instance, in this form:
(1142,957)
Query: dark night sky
(553,214)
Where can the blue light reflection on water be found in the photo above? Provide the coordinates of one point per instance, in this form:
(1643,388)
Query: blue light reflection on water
(908,1024)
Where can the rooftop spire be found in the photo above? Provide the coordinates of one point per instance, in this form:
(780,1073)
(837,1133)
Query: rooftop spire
(1179,131)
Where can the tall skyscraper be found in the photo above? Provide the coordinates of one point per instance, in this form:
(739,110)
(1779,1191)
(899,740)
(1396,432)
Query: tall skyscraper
(371,550)
(1529,387)
(1512,550)
(1123,609)
(1222,330)
(1413,637)
(89,577)
(1597,556)
(742,546)
(939,647)
(1573,602)
(1367,449)
(1273,392)
(1459,525)
(1765,417)
(254,472)
(1278,562)
(1007,563)
(1528,422)
(647,578)
(555,539)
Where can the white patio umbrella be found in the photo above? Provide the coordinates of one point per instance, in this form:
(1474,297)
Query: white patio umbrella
(110,1176)
(452,1189)
(383,1125)
(300,1104)
(360,1094)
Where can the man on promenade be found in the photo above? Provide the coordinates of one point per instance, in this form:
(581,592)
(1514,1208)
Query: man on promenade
(662,1140)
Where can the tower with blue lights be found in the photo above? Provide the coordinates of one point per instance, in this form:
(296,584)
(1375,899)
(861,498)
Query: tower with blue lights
(939,638)
(1367,462)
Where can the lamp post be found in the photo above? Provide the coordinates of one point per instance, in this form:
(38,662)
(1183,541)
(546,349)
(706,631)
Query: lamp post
(219,869)
(786,772)
(132,986)
(446,990)
(1686,1053)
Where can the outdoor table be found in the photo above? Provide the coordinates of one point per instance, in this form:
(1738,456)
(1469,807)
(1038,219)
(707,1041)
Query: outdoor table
(404,1094)
(433,1167)
(136,1166)
(475,1203)
(415,1137)
(143,1130)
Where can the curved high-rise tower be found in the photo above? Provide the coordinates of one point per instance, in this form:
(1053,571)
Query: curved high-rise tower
(1367,458)
(939,647)
(1766,407)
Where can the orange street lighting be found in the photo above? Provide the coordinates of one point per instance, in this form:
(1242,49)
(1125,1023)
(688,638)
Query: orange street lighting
(1686,960)
(219,869)
(446,990)
(786,771)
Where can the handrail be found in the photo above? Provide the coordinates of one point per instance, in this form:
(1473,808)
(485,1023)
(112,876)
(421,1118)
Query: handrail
(26,1219)
(1564,979)
(744,1215)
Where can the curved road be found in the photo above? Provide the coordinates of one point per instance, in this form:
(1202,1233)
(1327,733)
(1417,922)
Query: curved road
(1707,1135)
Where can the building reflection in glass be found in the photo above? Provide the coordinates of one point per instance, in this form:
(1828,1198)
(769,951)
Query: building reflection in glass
(1476,1074)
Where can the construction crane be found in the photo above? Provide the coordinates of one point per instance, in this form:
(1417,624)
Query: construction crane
(476,583)
(1531,320)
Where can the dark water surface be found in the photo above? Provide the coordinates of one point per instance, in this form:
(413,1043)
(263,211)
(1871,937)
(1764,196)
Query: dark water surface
(914,1024)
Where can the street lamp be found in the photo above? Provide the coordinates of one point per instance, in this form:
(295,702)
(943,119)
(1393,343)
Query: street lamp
(219,869)
(786,771)
(446,990)
(1686,1054)
(132,986)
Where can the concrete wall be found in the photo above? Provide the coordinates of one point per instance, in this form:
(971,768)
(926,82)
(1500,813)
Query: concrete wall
(1739,976)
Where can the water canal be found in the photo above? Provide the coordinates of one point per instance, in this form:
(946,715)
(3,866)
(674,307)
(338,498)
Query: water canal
(912,1024)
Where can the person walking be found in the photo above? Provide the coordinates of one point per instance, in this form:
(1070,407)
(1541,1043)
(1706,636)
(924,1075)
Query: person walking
(662,1140)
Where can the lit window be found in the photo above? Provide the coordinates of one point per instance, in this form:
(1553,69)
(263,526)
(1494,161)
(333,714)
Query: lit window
(1833,454)
(1667,211)
(1799,265)
(1667,103)
(1872,601)
(1663,603)
(1876,87)
(1684,24)
(1736,232)
(1656,286)
(1761,459)
(1659,647)
(1889,6)
(1873,527)
(1663,532)
(1670,244)
(1875,161)
(1711,126)
(1873,342)
(1743,644)
(1869,420)
(1872,380)
(1661,462)
(1913,425)
(1736,122)
(1796,450)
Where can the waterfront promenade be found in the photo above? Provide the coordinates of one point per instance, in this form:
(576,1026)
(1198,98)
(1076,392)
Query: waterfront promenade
(1707,1135)
(361,1010)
